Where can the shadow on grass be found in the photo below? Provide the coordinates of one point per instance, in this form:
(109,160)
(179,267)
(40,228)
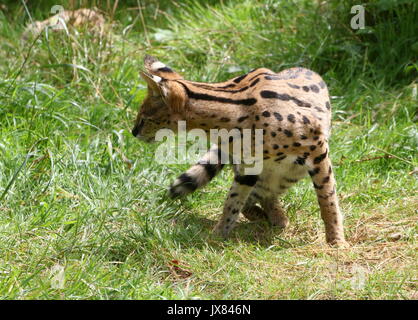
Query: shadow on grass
(188,231)
(259,233)
(157,239)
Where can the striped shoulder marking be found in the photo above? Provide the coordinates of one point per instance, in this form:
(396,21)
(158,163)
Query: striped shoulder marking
(257,72)
(267,94)
(217,89)
(208,97)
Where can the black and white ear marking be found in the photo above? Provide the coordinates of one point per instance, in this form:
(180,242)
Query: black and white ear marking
(152,65)
(147,76)
(159,66)
(154,83)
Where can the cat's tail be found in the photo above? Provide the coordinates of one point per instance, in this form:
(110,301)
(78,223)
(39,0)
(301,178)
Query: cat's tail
(199,174)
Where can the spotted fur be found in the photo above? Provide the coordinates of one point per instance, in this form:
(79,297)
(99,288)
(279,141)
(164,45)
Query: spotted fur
(293,109)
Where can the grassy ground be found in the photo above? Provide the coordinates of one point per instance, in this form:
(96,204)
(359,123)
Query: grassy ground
(83,207)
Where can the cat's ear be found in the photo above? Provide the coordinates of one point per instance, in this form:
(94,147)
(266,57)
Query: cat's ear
(156,67)
(171,92)
(155,87)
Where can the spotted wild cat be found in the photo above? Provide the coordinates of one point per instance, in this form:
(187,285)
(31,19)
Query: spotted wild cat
(292,108)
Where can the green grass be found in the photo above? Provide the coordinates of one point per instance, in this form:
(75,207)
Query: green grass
(84,212)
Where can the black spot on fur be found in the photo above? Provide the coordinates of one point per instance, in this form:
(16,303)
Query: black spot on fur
(305,120)
(320,157)
(314,171)
(274,95)
(280,158)
(278,116)
(300,161)
(266,114)
(314,88)
(247,180)
(298,102)
(294,86)
(273,77)
(241,119)
(291,118)
(288,133)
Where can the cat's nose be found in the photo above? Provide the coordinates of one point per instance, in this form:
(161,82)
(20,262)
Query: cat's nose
(137,128)
(135,131)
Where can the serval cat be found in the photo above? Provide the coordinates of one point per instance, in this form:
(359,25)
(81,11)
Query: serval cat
(292,108)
